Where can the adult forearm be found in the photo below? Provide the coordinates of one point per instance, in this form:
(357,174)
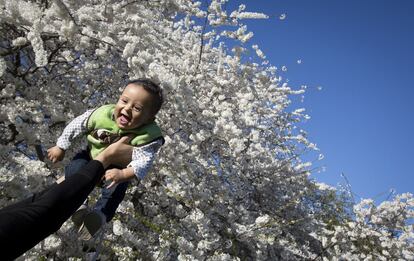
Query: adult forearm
(24,224)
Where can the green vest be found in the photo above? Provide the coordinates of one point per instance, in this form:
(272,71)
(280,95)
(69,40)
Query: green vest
(102,118)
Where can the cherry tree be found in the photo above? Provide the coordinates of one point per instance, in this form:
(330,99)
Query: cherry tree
(229,184)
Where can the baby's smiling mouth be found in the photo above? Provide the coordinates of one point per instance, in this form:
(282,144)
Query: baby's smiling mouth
(124,119)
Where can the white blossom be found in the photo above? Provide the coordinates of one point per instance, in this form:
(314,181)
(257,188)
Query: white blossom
(19,41)
(262,220)
(282,16)
(3,66)
(249,15)
(37,43)
(323,186)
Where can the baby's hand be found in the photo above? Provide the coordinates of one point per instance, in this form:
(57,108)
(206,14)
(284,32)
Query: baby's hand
(55,154)
(116,176)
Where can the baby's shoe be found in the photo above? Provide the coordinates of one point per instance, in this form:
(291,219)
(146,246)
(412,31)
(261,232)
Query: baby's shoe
(79,215)
(92,224)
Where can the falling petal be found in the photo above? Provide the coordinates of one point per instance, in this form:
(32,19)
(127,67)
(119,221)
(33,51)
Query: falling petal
(284,68)
(282,16)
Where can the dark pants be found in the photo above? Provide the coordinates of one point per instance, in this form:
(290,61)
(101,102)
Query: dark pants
(26,223)
(110,199)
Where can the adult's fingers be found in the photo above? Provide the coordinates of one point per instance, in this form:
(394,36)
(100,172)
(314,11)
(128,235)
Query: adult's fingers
(126,139)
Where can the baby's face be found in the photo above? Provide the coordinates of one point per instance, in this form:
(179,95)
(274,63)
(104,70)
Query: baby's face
(133,108)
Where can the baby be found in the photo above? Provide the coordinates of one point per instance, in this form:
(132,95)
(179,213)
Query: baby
(132,115)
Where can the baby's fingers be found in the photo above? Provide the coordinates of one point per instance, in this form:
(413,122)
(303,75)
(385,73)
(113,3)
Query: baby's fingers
(113,183)
(49,156)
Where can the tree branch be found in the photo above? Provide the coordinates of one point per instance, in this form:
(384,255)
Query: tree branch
(202,41)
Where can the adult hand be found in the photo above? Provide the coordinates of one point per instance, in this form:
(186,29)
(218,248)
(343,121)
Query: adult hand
(119,153)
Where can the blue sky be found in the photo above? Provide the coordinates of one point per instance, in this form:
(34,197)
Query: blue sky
(362,55)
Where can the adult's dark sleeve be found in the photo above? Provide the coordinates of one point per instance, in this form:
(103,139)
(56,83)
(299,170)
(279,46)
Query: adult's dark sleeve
(26,223)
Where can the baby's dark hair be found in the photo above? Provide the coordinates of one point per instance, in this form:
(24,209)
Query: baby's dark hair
(152,88)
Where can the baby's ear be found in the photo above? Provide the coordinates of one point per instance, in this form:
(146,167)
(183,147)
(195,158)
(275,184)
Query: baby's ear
(151,119)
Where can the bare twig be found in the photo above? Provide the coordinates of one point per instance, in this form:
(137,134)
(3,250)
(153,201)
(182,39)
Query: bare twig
(39,152)
(202,41)
(61,4)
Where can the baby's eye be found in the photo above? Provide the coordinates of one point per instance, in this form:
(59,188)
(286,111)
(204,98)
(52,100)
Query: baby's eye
(123,100)
(138,109)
